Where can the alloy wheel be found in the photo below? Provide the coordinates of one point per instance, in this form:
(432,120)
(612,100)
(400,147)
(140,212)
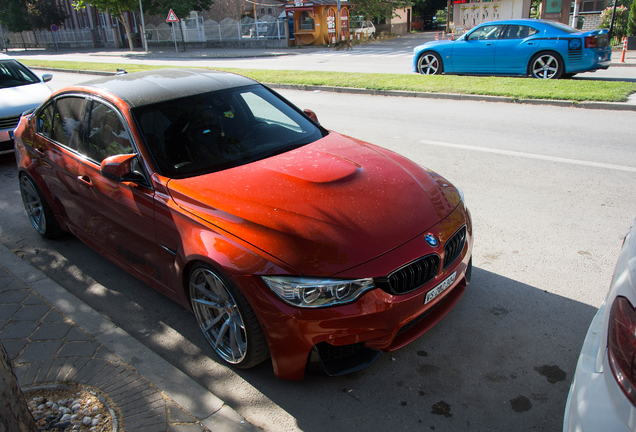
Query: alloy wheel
(33,204)
(218,315)
(429,64)
(545,67)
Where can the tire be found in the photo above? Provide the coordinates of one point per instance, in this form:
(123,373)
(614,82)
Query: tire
(226,319)
(546,65)
(429,63)
(38,210)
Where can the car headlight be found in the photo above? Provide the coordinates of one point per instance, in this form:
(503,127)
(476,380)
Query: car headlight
(461,195)
(314,293)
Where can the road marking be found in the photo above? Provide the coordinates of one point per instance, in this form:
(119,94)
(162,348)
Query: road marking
(531,156)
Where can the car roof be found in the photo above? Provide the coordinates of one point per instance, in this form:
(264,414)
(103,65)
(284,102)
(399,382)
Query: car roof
(145,88)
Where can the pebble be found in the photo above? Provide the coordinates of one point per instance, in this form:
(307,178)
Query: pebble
(86,420)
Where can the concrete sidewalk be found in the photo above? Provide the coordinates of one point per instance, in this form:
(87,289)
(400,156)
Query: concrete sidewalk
(52,337)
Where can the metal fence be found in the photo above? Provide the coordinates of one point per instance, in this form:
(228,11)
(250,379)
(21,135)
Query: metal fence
(83,36)
(210,30)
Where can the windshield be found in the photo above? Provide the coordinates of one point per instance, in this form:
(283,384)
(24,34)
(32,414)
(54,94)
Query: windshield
(13,74)
(220,130)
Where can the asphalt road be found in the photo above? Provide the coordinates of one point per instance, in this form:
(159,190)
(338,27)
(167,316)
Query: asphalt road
(552,192)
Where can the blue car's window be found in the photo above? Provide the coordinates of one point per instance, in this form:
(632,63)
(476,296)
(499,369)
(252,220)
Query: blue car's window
(560,26)
(488,32)
(519,32)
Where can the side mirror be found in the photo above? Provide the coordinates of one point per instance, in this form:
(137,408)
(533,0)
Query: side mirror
(312,115)
(118,168)
(47,77)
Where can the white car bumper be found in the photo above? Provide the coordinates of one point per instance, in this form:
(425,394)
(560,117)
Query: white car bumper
(591,403)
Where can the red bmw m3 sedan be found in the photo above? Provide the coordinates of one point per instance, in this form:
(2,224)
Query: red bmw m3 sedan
(286,240)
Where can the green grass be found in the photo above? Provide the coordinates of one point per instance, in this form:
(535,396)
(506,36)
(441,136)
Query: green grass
(516,88)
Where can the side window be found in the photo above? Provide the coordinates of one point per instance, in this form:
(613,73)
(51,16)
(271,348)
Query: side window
(67,121)
(519,32)
(45,120)
(488,32)
(107,135)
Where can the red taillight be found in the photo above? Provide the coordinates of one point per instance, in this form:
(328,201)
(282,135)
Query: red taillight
(591,42)
(622,346)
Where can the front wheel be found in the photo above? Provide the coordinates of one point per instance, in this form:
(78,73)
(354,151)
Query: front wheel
(38,210)
(546,66)
(226,318)
(429,63)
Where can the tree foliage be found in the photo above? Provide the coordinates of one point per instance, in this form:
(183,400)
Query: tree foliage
(427,7)
(379,9)
(23,15)
(620,21)
(631,22)
(181,8)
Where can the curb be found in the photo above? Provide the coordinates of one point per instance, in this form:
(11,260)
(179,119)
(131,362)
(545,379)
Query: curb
(187,393)
(615,106)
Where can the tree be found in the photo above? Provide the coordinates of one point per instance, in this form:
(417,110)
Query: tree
(14,412)
(620,21)
(44,13)
(181,8)
(379,9)
(427,7)
(631,22)
(115,7)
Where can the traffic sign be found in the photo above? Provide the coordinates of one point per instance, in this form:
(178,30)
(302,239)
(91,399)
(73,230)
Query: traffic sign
(172,17)
(54,28)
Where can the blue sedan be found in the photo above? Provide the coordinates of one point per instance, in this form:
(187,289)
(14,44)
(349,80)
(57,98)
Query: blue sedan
(537,48)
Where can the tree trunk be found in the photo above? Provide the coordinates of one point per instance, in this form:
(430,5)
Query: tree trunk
(14,413)
(127,28)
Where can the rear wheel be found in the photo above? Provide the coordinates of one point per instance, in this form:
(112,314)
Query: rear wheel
(546,66)
(38,210)
(226,318)
(429,63)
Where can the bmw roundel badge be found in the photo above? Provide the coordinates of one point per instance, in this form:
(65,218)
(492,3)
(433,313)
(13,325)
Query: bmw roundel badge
(431,240)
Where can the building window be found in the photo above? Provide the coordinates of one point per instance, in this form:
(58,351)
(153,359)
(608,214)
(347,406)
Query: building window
(306,21)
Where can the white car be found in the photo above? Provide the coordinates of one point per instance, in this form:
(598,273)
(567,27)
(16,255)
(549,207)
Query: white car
(364,28)
(603,393)
(20,91)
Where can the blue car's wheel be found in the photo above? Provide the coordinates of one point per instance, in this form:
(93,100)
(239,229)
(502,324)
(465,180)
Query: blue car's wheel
(546,65)
(429,63)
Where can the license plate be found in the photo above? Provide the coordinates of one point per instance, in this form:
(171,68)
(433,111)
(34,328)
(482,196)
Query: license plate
(440,288)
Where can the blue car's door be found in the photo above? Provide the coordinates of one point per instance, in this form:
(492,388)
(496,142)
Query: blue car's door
(514,49)
(476,52)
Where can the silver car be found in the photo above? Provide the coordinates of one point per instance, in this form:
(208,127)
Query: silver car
(603,392)
(20,91)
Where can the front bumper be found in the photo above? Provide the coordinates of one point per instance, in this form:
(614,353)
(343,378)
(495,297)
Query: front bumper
(376,321)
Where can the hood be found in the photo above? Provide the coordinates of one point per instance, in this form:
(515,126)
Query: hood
(430,44)
(15,100)
(324,207)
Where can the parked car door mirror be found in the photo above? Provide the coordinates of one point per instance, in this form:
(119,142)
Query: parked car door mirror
(312,115)
(47,77)
(119,168)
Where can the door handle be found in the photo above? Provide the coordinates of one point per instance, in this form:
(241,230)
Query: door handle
(530,43)
(488,44)
(39,151)
(85,180)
